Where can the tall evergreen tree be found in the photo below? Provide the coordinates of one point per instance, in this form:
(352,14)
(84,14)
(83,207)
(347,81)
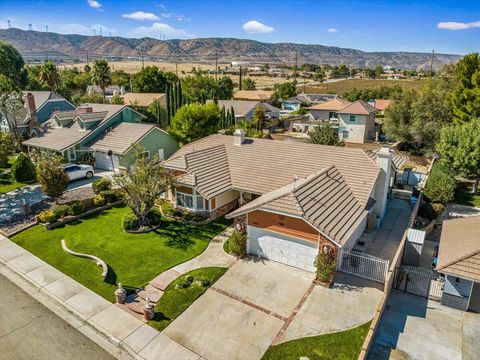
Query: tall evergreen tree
(168,94)
(233,117)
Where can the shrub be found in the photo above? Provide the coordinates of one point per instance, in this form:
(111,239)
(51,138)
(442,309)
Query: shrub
(438,208)
(61,210)
(52,176)
(23,169)
(111,195)
(76,208)
(130,222)
(101,185)
(238,243)
(440,186)
(326,266)
(426,211)
(98,200)
(87,159)
(47,216)
(154,217)
(167,207)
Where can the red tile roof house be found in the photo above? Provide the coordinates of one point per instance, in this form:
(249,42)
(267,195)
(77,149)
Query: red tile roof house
(293,199)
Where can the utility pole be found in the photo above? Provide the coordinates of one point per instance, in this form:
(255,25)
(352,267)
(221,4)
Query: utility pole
(176,67)
(94,32)
(86,56)
(101,33)
(216,65)
(431,63)
(30,27)
(142,53)
(296,64)
(9,24)
(46,28)
(240,79)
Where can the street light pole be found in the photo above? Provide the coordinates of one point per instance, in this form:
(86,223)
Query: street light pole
(110,153)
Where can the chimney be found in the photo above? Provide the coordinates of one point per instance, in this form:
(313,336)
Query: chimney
(32,111)
(239,136)
(382,187)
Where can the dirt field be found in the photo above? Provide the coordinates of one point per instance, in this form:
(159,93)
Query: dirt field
(341,87)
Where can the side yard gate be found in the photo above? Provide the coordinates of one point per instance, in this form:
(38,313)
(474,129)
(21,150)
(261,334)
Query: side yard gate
(364,265)
(419,281)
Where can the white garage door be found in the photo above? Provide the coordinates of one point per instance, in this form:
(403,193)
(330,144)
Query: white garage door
(281,248)
(103,161)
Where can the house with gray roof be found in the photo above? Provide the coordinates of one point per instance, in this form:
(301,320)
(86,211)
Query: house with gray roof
(292,199)
(110,133)
(244,109)
(38,106)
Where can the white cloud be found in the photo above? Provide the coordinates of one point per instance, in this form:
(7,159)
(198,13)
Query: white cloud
(140,15)
(94,4)
(161,6)
(332,30)
(452,25)
(256,27)
(156,30)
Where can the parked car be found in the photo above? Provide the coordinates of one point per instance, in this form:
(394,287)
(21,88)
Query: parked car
(79,171)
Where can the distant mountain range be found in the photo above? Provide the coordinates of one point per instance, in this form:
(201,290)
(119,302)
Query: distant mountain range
(35,45)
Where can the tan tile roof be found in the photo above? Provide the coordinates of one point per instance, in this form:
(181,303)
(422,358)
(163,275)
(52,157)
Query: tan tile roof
(241,107)
(333,105)
(121,138)
(323,199)
(358,107)
(142,99)
(253,94)
(459,251)
(59,139)
(260,166)
(382,104)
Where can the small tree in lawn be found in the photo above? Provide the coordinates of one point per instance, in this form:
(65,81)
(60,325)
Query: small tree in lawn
(143,185)
(325,135)
(459,145)
(23,169)
(51,176)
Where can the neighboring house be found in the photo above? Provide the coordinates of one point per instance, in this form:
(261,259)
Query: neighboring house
(144,100)
(93,128)
(37,108)
(110,91)
(255,95)
(396,76)
(380,105)
(296,102)
(245,109)
(357,122)
(459,260)
(295,199)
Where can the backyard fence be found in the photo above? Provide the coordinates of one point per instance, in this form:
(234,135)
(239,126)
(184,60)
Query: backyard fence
(364,265)
(419,281)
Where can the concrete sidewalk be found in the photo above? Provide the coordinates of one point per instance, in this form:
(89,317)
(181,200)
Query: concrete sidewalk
(131,337)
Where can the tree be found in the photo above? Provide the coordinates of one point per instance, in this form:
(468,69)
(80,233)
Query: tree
(459,145)
(117,99)
(200,88)
(440,186)
(378,71)
(102,76)
(224,88)
(51,176)
(195,121)
(49,75)
(11,106)
(23,169)
(319,75)
(6,148)
(143,185)
(121,78)
(465,98)
(248,84)
(12,65)
(150,79)
(259,118)
(285,90)
(325,135)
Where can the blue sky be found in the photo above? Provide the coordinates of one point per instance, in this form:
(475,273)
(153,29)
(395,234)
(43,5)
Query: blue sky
(446,26)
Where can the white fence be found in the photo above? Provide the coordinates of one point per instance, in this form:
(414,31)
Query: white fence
(364,265)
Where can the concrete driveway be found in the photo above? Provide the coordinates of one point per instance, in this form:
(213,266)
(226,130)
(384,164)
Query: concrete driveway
(242,313)
(84,183)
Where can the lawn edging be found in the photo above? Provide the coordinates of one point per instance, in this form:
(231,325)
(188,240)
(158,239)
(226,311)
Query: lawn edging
(69,219)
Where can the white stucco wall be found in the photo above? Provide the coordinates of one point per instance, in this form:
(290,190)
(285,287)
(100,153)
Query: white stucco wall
(226,197)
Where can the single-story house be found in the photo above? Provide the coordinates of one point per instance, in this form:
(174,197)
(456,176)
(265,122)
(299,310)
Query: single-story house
(292,199)
(459,260)
(37,108)
(392,76)
(244,109)
(110,91)
(255,95)
(98,128)
(144,100)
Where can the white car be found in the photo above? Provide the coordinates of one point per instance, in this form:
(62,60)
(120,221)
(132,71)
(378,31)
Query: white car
(80,171)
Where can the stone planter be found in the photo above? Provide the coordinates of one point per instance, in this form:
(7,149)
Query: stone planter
(120,294)
(148,310)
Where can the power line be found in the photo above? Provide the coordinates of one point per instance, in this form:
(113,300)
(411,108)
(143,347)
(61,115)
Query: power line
(46,28)
(30,27)
(9,24)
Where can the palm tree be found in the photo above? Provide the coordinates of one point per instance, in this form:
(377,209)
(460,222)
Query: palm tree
(49,74)
(102,75)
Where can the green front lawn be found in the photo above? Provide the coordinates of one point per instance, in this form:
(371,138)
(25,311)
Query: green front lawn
(464,196)
(7,183)
(175,301)
(133,259)
(344,345)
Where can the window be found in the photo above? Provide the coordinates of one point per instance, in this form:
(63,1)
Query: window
(200,203)
(145,154)
(352,118)
(72,155)
(332,115)
(185,200)
(345,134)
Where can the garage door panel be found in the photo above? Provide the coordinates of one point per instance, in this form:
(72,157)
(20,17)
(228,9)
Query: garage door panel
(281,248)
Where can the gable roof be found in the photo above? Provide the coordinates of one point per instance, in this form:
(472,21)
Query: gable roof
(322,199)
(253,94)
(382,104)
(358,107)
(121,138)
(41,97)
(54,138)
(142,99)
(331,105)
(260,166)
(241,107)
(459,250)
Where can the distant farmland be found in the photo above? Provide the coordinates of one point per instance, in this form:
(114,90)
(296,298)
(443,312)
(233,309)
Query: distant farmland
(343,86)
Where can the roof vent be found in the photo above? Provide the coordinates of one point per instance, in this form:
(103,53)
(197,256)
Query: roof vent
(239,136)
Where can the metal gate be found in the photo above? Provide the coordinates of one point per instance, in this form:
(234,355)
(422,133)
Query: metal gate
(364,265)
(419,281)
